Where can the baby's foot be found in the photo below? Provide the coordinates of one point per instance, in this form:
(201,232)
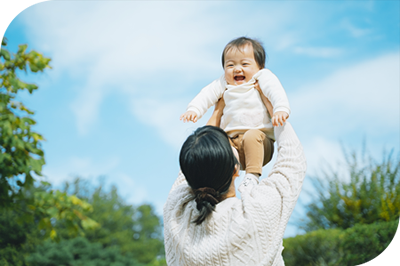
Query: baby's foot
(250,178)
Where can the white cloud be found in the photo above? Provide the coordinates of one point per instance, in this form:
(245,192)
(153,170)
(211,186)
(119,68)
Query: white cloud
(324,52)
(130,190)
(321,152)
(80,166)
(85,167)
(354,30)
(363,97)
(119,48)
(164,115)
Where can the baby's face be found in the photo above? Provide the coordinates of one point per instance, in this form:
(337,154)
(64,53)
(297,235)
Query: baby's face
(240,66)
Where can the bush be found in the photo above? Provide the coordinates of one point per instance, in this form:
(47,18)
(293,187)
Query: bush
(362,191)
(320,247)
(353,246)
(79,252)
(365,242)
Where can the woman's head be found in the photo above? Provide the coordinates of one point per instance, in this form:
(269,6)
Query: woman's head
(208,163)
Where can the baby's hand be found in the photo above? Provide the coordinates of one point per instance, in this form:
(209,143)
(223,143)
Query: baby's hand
(279,118)
(189,116)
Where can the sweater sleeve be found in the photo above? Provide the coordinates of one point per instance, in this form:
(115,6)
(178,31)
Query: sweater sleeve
(287,175)
(289,170)
(273,90)
(207,97)
(179,181)
(271,202)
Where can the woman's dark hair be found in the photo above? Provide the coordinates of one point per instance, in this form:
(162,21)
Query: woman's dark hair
(239,43)
(208,163)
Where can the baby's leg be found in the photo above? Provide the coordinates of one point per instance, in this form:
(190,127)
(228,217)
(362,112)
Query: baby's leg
(258,150)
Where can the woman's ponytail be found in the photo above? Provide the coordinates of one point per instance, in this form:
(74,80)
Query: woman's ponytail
(206,199)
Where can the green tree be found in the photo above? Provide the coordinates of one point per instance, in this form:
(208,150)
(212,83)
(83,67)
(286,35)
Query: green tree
(367,191)
(21,155)
(135,230)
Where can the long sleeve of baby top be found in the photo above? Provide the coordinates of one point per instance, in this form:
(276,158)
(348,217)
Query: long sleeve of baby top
(246,231)
(244,108)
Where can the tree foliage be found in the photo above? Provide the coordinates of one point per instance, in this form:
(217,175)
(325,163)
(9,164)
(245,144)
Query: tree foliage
(128,235)
(135,230)
(79,251)
(21,154)
(20,146)
(31,211)
(368,191)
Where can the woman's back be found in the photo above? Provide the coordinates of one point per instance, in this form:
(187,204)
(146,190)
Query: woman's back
(246,231)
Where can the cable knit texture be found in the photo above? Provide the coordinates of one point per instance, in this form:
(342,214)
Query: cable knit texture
(244,108)
(246,231)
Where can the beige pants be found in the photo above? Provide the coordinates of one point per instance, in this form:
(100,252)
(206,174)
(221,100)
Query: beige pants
(255,150)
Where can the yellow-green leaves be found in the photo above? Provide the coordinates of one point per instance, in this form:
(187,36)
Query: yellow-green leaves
(56,205)
(20,147)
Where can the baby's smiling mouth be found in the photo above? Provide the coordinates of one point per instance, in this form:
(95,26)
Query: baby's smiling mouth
(239,78)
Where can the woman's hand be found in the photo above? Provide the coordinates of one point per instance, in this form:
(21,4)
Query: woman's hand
(265,100)
(279,118)
(215,119)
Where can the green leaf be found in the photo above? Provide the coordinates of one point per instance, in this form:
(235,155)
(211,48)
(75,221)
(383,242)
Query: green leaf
(52,211)
(53,234)
(5,54)
(22,48)
(31,87)
(89,224)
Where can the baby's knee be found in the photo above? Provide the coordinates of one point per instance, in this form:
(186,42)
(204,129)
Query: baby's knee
(254,135)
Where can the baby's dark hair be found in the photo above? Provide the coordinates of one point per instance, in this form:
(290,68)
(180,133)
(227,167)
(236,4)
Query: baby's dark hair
(208,163)
(239,43)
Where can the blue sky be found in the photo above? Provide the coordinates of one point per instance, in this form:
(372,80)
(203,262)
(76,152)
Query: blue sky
(123,72)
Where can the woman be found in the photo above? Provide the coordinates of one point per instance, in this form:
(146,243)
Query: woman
(204,222)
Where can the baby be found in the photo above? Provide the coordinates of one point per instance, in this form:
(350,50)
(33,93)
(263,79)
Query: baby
(246,90)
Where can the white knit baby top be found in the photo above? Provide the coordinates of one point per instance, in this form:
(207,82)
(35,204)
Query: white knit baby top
(246,231)
(244,108)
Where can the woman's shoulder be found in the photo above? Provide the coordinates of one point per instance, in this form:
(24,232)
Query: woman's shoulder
(177,199)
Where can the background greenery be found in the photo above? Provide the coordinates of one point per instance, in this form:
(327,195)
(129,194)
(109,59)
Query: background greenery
(349,247)
(354,213)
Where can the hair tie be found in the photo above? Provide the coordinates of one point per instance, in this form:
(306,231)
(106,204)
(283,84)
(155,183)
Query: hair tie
(206,194)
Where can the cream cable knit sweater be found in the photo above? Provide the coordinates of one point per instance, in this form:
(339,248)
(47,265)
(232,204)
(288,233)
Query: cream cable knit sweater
(246,231)
(244,108)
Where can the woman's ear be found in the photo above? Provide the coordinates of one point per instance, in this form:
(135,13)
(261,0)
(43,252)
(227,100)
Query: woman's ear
(235,152)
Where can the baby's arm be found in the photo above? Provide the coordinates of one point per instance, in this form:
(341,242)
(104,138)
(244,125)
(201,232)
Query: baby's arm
(207,97)
(271,88)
